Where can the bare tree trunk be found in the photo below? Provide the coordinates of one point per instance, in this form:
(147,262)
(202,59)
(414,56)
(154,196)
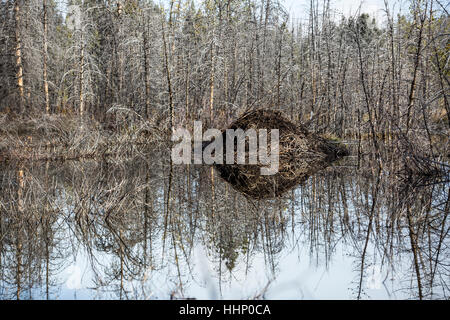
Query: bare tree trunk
(171,114)
(312,58)
(169,80)
(82,77)
(416,66)
(45,22)
(146,72)
(18,54)
(280,48)
(211,84)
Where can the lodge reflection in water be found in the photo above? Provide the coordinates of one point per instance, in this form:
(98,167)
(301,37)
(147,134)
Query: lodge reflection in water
(135,220)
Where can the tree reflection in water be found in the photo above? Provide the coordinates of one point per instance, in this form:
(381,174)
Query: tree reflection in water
(141,239)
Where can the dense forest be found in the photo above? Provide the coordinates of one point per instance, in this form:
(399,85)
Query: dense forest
(118,63)
(91,90)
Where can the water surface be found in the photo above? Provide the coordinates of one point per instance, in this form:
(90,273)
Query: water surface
(131,230)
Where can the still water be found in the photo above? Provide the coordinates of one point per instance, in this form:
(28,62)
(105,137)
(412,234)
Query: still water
(134,229)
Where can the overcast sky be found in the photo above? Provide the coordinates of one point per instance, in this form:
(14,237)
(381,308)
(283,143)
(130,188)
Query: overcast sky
(299,9)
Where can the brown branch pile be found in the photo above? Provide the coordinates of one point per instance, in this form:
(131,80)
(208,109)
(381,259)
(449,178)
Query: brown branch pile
(301,154)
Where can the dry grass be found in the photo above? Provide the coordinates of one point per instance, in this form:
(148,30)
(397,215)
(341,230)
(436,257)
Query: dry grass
(65,137)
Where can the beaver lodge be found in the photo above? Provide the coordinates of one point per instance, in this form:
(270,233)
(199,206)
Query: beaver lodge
(301,154)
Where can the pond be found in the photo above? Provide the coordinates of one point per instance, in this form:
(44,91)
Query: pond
(136,229)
